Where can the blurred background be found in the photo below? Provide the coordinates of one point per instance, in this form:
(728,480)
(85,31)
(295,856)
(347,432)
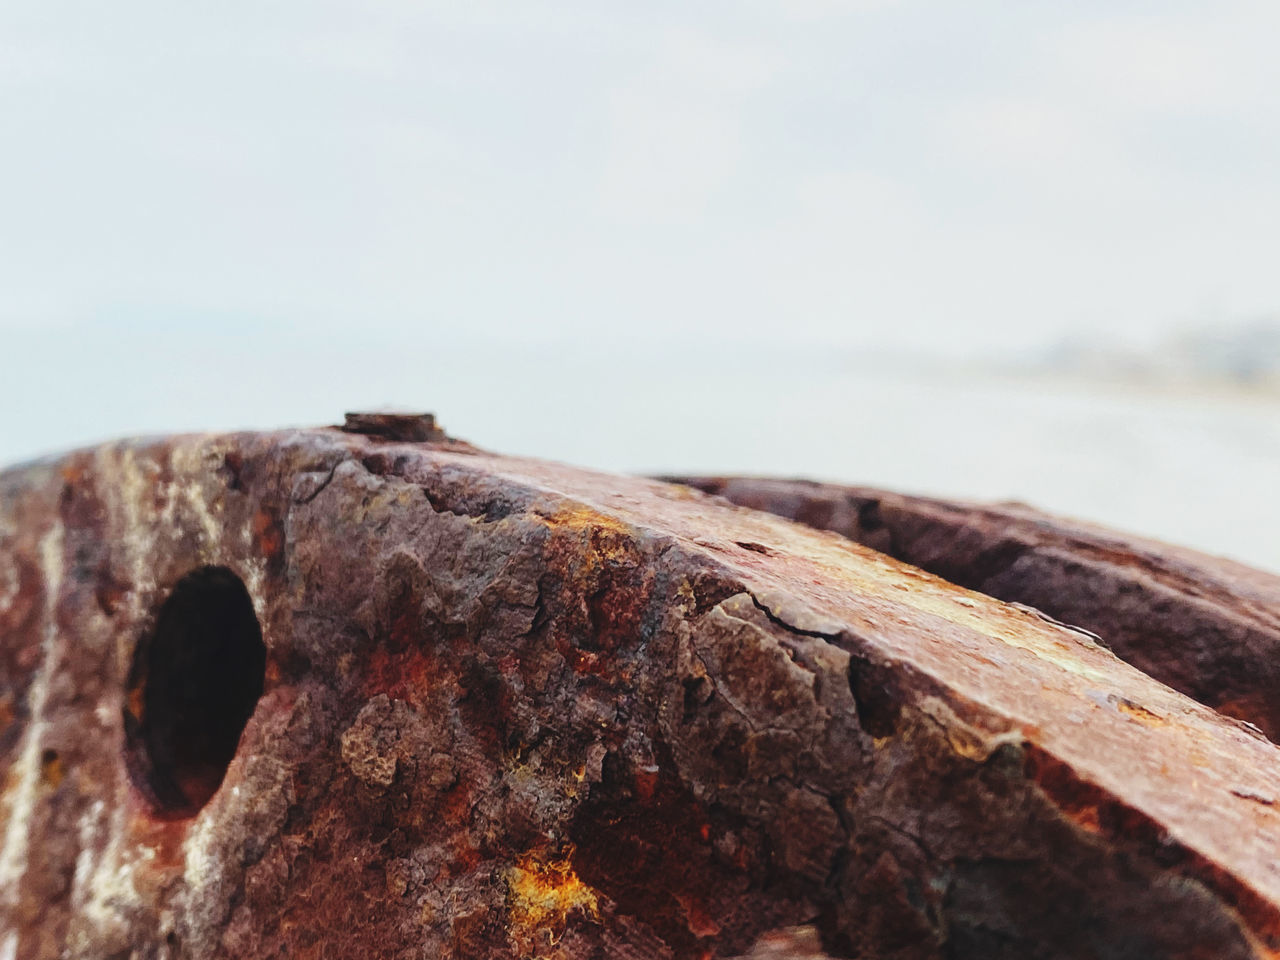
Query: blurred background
(997,250)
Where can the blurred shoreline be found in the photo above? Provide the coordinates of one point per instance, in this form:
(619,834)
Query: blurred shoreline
(1192,461)
(1237,360)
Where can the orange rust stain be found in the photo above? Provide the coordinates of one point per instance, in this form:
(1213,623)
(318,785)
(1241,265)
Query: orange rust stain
(582,661)
(51,770)
(161,839)
(408,674)
(645,782)
(1086,816)
(73,472)
(654,859)
(1081,802)
(700,922)
(135,702)
(268,538)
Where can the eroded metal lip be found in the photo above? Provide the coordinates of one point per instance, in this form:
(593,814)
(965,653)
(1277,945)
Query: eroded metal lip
(1207,626)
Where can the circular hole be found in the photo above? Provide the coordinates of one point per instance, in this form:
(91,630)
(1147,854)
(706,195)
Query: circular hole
(194,683)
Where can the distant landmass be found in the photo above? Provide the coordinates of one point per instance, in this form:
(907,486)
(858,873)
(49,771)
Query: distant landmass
(1245,356)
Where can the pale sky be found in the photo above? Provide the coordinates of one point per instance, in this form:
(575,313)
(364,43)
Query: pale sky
(228,214)
(906,172)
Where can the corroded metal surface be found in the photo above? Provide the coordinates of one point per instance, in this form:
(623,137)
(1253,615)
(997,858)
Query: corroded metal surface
(799,943)
(512,708)
(1206,626)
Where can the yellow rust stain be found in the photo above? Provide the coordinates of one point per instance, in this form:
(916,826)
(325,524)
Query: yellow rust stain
(584,519)
(965,739)
(1140,713)
(542,893)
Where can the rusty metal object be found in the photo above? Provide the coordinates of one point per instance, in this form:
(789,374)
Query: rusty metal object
(511,708)
(1206,626)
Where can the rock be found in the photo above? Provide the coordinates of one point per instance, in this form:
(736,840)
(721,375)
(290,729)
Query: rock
(511,708)
(1204,625)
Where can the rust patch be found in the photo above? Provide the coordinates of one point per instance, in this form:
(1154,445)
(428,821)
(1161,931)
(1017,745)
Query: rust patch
(51,771)
(542,894)
(1089,806)
(268,536)
(1140,713)
(658,859)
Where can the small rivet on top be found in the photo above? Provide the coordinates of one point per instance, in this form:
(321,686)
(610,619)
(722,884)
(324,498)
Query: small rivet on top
(416,427)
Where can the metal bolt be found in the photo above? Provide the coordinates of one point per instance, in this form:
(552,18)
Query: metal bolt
(413,427)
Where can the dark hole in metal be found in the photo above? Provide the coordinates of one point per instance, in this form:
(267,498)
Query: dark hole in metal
(194,683)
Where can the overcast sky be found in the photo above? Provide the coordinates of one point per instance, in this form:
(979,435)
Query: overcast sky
(185,180)
(905,172)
